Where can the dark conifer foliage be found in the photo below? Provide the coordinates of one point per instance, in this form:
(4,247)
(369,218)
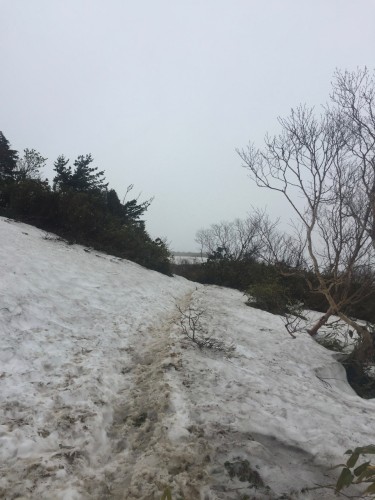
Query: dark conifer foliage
(134,210)
(114,204)
(78,206)
(8,159)
(84,178)
(63,173)
(87,178)
(127,212)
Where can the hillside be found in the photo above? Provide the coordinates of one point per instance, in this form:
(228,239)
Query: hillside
(103,397)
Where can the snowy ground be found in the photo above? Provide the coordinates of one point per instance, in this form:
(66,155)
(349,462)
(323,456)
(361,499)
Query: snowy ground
(102,396)
(188,259)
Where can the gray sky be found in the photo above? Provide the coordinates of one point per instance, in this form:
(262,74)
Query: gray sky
(161,92)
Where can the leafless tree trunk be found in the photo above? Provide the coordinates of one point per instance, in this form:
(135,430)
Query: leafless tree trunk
(321,322)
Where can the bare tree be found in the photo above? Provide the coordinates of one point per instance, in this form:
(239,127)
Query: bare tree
(28,167)
(309,163)
(278,248)
(353,98)
(236,240)
(257,238)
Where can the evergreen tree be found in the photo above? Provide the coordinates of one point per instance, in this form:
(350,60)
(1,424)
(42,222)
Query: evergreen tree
(8,159)
(83,179)
(114,204)
(127,212)
(86,178)
(133,211)
(63,177)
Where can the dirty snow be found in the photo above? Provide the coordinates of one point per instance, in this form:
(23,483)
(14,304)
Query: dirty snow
(102,396)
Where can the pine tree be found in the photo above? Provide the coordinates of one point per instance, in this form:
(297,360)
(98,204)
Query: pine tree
(133,211)
(83,179)
(86,178)
(8,159)
(114,204)
(63,177)
(128,212)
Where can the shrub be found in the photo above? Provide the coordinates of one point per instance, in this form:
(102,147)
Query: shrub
(133,242)
(358,474)
(167,494)
(270,296)
(81,214)
(32,201)
(192,328)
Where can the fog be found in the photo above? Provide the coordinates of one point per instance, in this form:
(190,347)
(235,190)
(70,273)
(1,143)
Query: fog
(161,93)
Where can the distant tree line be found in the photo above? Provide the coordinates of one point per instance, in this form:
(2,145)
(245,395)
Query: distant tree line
(253,251)
(78,206)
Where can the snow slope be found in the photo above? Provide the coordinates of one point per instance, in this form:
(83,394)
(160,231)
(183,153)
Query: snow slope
(102,396)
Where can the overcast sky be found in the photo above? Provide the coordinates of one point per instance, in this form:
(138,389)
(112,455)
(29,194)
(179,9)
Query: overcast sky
(162,92)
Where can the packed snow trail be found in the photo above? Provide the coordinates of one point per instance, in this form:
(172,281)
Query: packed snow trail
(84,348)
(153,461)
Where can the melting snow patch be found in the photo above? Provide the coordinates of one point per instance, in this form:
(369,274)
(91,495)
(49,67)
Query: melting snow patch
(103,397)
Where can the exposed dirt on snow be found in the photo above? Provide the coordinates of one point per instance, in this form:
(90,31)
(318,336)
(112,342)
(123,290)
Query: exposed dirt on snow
(84,351)
(263,409)
(103,397)
(144,461)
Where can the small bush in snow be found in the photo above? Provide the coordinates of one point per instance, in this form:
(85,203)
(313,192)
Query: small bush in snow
(271,296)
(336,337)
(167,495)
(191,326)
